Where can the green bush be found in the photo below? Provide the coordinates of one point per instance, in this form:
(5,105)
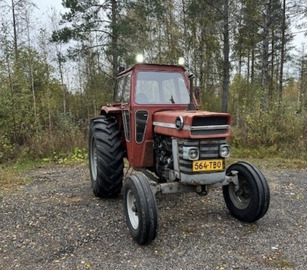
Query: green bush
(7,150)
(278,132)
(64,140)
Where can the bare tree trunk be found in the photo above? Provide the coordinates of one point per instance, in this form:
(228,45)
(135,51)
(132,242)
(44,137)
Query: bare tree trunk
(55,22)
(60,65)
(271,85)
(15,30)
(253,66)
(282,53)
(265,56)
(248,66)
(302,98)
(226,64)
(31,71)
(114,46)
(12,96)
(43,45)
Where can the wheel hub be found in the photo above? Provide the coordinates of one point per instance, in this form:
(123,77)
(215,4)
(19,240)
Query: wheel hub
(132,210)
(94,160)
(240,197)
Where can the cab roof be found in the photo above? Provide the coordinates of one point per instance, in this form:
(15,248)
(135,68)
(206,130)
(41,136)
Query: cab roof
(153,67)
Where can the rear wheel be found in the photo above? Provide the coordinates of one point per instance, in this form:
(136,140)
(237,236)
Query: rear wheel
(140,209)
(105,157)
(251,200)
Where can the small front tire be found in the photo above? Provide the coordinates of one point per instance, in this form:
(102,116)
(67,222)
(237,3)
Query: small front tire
(140,209)
(251,201)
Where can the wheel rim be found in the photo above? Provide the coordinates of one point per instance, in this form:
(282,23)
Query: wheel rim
(241,197)
(93,158)
(132,210)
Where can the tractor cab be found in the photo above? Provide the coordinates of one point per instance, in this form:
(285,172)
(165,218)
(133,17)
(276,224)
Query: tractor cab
(142,91)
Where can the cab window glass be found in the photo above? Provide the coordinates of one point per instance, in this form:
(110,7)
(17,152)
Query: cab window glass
(147,91)
(161,87)
(123,93)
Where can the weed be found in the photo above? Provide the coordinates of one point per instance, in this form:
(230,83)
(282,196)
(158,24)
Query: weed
(10,179)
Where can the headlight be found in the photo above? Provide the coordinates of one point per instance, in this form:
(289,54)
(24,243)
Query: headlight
(191,153)
(224,150)
(179,122)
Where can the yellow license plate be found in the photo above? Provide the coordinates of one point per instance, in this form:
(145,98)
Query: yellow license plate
(208,165)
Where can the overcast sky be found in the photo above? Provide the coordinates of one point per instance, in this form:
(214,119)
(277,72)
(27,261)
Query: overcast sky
(45,5)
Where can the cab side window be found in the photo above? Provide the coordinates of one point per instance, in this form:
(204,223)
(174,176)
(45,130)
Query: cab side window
(123,93)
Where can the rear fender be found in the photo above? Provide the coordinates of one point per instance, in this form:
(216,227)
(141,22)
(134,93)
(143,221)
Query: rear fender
(117,113)
(106,110)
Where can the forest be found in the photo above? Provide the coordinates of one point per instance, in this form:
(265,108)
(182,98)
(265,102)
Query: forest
(55,76)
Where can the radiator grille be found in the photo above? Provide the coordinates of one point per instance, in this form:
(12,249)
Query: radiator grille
(209,149)
(209,125)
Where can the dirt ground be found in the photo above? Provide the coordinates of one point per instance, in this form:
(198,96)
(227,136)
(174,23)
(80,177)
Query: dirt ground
(55,222)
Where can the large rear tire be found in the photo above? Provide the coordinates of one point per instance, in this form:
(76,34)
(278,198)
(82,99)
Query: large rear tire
(140,209)
(251,201)
(105,157)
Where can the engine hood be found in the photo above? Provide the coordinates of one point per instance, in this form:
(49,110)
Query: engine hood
(192,124)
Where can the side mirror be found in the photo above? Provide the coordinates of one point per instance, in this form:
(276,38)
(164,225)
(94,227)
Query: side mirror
(191,106)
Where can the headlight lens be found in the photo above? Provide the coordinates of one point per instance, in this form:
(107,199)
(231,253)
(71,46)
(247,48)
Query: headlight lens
(193,153)
(225,150)
(190,153)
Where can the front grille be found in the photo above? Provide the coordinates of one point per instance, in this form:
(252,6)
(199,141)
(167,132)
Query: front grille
(209,125)
(209,121)
(208,149)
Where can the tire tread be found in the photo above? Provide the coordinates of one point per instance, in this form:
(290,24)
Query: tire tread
(148,224)
(262,192)
(109,156)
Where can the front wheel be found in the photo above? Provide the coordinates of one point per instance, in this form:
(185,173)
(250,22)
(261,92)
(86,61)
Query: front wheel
(250,200)
(140,209)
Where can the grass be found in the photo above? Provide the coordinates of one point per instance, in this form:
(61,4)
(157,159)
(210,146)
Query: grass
(10,179)
(10,174)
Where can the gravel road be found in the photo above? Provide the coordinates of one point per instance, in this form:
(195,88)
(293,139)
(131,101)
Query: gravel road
(55,222)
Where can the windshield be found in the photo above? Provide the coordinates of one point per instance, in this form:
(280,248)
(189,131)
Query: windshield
(157,87)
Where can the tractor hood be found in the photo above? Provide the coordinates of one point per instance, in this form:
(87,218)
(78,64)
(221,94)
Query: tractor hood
(192,124)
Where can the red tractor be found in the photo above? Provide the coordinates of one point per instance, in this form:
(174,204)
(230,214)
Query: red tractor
(171,146)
